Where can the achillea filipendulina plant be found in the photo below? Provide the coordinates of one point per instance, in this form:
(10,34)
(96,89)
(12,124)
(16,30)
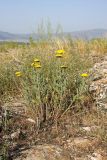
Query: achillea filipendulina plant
(52,88)
(49,82)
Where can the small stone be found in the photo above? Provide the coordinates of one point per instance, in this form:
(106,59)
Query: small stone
(6,137)
(31,120)
(88,129)
(15,135)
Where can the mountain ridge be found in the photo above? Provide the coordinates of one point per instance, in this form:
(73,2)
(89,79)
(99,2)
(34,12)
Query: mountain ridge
(82,34)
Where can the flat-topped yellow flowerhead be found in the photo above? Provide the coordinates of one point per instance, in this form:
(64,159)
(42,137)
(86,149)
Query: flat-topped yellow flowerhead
(18,74)
(63,66)
(32,64)
(84,75)
(37,66)
(60,51)
(59,55)
(36,60)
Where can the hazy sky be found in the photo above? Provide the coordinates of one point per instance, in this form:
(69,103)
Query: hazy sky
(23,16)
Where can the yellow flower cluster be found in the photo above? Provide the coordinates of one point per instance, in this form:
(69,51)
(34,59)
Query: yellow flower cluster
(59,53)
(36,63)
(36,60)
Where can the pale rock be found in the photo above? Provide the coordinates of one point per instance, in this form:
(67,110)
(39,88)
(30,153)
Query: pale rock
(44,152)
(78,142)
(81,142)
(98,86)
(15,135)
(88,129)
(95,156)
(31,120)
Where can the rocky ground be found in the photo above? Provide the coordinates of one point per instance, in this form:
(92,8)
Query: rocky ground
(75,136)
(99,84)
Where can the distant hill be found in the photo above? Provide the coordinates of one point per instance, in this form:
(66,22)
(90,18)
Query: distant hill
(90,34)
(5,36)
(87,35)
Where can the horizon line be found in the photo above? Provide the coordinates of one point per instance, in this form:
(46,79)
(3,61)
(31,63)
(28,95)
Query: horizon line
(54,32)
